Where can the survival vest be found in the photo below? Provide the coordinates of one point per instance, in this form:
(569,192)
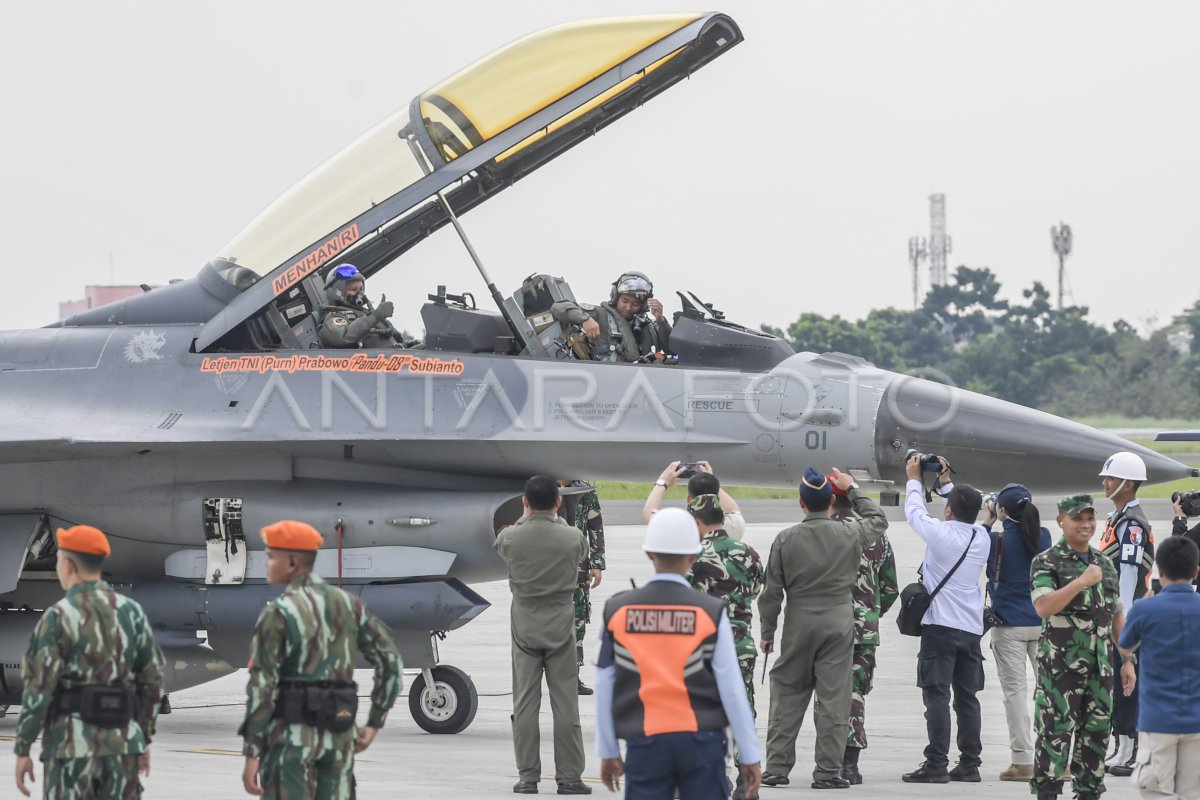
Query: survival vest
(661,638)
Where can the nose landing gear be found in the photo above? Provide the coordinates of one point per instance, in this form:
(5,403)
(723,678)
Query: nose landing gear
(443,699)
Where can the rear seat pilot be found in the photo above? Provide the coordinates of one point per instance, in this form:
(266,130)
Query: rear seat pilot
(348,320)
(621,330)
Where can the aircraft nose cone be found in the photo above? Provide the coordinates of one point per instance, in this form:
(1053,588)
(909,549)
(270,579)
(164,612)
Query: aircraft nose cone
(992,442)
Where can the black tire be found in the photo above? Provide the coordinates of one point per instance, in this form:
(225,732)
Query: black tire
(450,708)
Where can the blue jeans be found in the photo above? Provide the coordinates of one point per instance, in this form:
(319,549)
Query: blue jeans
(693,763)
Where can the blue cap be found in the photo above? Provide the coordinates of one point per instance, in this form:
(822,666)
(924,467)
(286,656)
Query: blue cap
(1012,498)
(815,488)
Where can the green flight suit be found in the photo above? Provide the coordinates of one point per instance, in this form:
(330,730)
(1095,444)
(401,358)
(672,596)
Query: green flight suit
(91,636)
(815,565)
(618,341)
(345,327)
(543,554)
(313,632)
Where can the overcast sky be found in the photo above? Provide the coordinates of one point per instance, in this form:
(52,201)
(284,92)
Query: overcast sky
(785,177)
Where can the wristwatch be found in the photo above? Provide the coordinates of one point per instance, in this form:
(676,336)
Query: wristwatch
(661,482)
(1131,658)
(853,486)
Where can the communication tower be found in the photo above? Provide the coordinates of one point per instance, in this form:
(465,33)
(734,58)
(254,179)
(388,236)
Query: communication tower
(1061,238)
(939,242)
(917,252)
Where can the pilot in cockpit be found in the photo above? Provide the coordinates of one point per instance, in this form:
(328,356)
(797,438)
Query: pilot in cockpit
(348,319)
(630,327)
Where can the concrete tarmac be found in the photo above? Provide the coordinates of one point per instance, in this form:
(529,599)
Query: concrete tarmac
(197,754)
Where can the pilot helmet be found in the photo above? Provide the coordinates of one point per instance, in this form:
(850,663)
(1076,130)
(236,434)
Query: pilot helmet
(335,284)
(635,284)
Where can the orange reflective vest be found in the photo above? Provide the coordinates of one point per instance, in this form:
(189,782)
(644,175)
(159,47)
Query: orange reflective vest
(1132,546)
(661,639)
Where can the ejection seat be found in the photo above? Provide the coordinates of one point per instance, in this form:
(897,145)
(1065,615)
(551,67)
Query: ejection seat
(530,307)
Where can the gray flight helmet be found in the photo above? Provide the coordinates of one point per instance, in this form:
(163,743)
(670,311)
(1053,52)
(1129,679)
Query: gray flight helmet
(336,280)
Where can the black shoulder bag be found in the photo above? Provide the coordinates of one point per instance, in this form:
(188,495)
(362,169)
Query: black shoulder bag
(990,618)
(915,599)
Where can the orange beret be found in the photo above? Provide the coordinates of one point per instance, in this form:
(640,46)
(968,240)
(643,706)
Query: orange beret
(291,535)
(83,539)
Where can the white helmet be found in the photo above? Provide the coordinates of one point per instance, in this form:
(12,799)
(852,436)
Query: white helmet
(672,531)
(1124,465)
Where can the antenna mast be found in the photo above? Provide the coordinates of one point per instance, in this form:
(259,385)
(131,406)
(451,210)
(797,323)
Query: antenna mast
(1061,238)
(939,242)
(917,252)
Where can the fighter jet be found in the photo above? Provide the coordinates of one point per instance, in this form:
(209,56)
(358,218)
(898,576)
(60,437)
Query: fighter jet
(183,420)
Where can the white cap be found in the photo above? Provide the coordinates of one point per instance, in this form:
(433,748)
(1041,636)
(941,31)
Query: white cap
(672,531)
(1124,465)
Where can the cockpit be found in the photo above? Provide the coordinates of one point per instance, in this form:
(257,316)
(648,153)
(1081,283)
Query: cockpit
(451,148)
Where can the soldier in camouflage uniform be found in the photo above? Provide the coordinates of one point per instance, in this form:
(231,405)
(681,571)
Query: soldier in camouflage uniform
(1075,590)
(312,634)
(875,590)
(591,524)
(92,636)
(731,570)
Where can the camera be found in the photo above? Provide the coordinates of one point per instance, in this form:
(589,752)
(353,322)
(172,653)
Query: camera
(929,463)
(989,503)
(689,469)
(1189,501)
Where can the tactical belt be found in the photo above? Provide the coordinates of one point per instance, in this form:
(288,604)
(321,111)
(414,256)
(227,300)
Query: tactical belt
(321,704)
(103,705)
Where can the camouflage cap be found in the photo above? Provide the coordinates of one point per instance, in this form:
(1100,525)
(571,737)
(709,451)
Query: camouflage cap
(291,535)
(704,502)
(83,539)
(1076,504)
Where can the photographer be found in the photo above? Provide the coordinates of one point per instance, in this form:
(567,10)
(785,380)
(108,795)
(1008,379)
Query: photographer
(735,523)
(950,658)
(1017,625)
(1186,504)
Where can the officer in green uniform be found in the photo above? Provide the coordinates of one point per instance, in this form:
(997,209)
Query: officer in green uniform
(543,554)
(630,327)
(302,702)
(348,320)
(814,564)
(92,680)
(875,590)
(591,570)
(1075,590)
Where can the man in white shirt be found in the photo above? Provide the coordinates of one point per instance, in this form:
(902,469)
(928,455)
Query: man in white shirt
(950,656)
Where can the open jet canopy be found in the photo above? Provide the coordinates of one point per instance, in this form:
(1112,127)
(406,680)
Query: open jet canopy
(469,137)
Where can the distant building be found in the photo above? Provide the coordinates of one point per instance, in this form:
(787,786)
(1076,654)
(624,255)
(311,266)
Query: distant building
(94,297)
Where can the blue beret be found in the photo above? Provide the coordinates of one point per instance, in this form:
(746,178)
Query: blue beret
(815,486)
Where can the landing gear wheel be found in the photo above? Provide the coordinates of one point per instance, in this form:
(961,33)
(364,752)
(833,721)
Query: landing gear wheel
(449,705)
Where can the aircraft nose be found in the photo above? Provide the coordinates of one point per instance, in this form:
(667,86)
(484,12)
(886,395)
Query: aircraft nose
(992,442)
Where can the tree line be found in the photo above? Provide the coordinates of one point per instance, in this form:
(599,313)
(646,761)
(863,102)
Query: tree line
(1027,352)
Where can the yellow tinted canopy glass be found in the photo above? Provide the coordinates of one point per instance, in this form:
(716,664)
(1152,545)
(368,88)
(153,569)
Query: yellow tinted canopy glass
(520,79)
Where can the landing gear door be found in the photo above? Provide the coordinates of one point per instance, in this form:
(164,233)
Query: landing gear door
(225,541)
(23,537)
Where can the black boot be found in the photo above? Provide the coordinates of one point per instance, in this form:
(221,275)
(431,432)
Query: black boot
(850,766)
(164,705)
(584,689)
